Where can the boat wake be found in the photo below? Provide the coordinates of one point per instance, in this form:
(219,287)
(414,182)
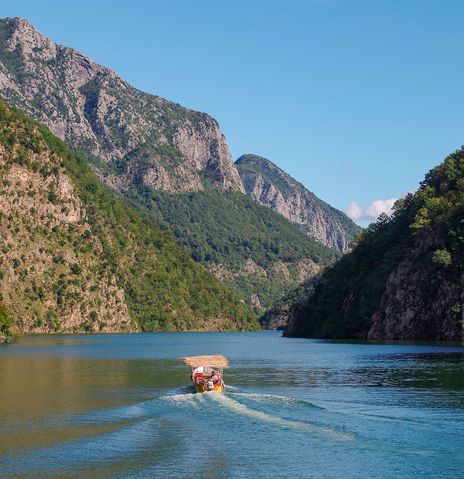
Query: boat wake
(168,433)
(191,400)
(240,408)
(273,410)
(274,399)
(262,409)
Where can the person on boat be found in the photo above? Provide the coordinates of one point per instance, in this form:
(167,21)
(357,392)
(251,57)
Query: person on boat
(215,377)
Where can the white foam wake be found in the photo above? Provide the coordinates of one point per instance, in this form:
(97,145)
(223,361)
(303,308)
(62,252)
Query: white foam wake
(240,408)
(273,398)
(192,400)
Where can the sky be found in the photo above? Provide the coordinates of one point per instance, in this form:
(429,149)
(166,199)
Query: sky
(356,99)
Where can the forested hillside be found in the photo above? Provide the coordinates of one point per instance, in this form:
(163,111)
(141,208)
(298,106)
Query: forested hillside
(404,277)
(74,258)
(272,187)
(244,244)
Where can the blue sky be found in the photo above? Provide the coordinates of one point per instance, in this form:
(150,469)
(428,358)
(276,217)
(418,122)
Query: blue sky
(355,99)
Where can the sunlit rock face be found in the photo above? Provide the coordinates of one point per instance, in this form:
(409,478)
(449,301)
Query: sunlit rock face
(272,187)
(142,138)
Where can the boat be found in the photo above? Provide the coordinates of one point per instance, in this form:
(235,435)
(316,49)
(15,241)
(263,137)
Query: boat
(207,372)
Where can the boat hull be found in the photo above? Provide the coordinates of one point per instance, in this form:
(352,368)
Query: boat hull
(204,389)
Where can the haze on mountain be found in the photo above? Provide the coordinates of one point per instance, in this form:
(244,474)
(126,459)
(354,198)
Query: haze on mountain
(174,164)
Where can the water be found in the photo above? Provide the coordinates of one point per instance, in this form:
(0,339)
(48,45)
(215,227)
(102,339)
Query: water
(120,406)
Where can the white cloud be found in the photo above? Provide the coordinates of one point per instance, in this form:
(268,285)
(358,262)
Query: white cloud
(372,212)
(354,211)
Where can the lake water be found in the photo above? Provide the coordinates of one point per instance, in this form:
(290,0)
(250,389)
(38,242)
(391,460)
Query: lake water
(120,406)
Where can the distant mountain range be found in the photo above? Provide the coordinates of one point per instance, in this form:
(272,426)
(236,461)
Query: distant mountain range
(174,164)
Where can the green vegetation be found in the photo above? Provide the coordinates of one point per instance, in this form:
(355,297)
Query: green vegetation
(442,257)
(425,231)
(164,289)
(7,321)
(249,166)
(169,157)
(229,228)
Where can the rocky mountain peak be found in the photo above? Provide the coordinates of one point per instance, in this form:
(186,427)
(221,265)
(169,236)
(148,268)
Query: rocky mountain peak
(18,33)
(272,187)
(95,111)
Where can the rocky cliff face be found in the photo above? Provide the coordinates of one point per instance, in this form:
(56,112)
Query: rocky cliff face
(145,137)
(145,140)
(405,312)
(272,187)
(403,280)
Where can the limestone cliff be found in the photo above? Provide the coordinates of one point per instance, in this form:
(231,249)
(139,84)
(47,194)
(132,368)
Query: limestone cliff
(272,187)
(419,302)
(144,137)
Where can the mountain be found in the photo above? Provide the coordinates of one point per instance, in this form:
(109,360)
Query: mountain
(281,313)
(170,162)
(73,258)
(156,142)
(244,244)
(404,277)
(270,186)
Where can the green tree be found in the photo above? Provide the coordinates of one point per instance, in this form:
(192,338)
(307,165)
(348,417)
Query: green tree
(442,257)
(6,322)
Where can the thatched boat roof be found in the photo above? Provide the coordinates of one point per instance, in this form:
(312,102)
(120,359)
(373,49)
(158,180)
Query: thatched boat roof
(213,361)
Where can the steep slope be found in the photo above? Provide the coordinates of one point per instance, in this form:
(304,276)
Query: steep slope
(94,111)
(171,162)
(404,278)
(281,314)
(270,186)
(74,258)
(242,243)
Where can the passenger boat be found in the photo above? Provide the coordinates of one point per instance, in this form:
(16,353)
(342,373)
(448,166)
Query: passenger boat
(207,372)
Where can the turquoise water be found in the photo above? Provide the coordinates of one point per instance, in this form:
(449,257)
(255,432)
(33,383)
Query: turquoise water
(120,406)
